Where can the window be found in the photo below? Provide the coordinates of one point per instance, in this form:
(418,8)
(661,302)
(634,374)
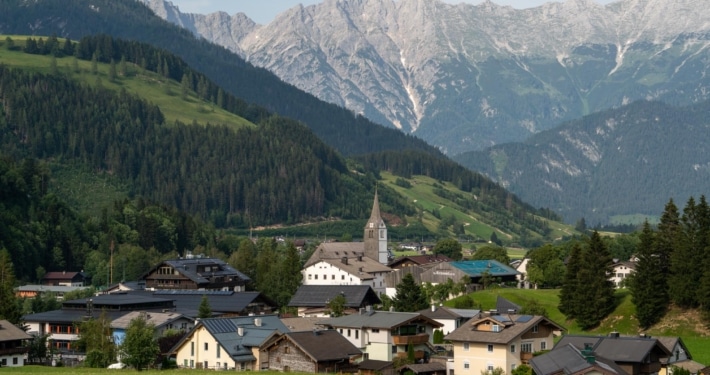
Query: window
(206,365)
(219,352)
(490,348)
(342,277)
(310,277)
(512,367)
(490,368)
(287,349)
(466,365)
(526,347)
(341,331)
(348,332)
(207,346)
(375,330)
(325,277)
(184,363)
(316,276)
(512,348)
(357,333)
(218,365)
(192,349)
(332,277)
(394,349)
(496,328)
(535,328)
(543,345)
(14,360)
(465,347)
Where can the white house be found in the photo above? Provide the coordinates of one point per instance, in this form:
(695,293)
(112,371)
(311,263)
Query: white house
(622,270)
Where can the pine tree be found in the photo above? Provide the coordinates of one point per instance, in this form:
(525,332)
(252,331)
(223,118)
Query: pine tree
(595,292)
(204,311)
(409,296)
(647,285)
(9,306)
(686,256)
(289,275)
(568,301)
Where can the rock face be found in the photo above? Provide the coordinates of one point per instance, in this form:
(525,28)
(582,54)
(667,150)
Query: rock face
(464,77)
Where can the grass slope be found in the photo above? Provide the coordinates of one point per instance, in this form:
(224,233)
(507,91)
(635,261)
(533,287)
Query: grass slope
(686,324)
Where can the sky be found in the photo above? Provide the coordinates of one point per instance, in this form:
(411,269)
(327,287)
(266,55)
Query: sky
(263,11)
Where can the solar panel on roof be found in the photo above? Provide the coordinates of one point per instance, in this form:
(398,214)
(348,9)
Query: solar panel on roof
(524,318)
(501,318)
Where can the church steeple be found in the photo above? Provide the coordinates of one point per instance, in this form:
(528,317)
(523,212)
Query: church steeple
(375,236)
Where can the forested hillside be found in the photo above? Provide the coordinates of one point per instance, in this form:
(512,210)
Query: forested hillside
(350,134)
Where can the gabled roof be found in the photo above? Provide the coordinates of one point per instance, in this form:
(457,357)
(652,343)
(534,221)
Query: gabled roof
(336,250)
(476,268)
(10,332)
(505,306)
(319,295)
(513,326)
(321,346)
(63,275)
(670,343)
(375,365)
(443,312)
(257,331)
(420,259)
(618,349)
(378,319)
(419,368)
(187,301)
(188,268)
(570,360)
(158,319)
(301,324)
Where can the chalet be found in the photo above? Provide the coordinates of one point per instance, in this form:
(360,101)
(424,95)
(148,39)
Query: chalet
(384,335)
(161,321)
(418,260)
(13,345)
(195,272)
(569,359)
(634,354)
(358,270)
(314,352)
(621,271)
(505,341)
(65,278)
(237,343)
(312,300)
(680,356)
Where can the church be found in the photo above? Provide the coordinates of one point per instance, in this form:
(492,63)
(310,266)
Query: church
(352,263)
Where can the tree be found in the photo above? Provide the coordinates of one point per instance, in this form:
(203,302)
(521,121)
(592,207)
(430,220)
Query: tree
(568,294)
(450,248)
(647,283)
(95,339)
(337,305)
(290,276)
(686,257)
(139,348)
(243,258)
(522,370)
(10,308)
(595,292)
(409,296)
(492,252)
(204,311)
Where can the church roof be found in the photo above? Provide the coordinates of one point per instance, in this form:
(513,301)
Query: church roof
(336,250)
(375,216)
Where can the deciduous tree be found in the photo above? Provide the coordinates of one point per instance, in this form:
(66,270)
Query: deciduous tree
(139,348)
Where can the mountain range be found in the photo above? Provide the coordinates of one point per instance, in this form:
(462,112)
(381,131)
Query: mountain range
(466,77)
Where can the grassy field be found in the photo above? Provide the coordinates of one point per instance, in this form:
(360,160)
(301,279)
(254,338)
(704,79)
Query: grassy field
(166,94)
(685,324)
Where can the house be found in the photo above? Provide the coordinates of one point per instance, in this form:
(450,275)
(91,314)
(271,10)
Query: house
(58,291)
(65,278)
(637,355)
(13,345)
(570,360)
(449,317)
(384,335)
(229,343)
(680,356)
(621,271)
(312,300)
(418,260)
(522,277)
(432,368)
(375,367)
(195,272)
(358,270)
(314,352)
(161,321)
(504,341)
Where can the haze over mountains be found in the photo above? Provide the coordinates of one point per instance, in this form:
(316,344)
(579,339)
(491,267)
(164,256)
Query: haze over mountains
(465,77)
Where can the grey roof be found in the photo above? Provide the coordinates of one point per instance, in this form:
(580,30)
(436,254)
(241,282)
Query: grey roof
(617,349)
(221,302)
(505,306)
(69,316)
(670,342)
(188,268)
(302,323)
(363,267)
(569,360)
(318,295)
(324,346)
(158,319)
(513,327)
(10,332)
(336,250)
(377,319)
(225,332)
(375,365)
(443,312)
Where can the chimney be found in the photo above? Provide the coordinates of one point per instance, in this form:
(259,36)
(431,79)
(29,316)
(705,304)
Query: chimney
(588,354)
(240,330)
(361,311)
(315,332)
(614,334)
(433,307)
(344,260)
(359,258)
(257,322)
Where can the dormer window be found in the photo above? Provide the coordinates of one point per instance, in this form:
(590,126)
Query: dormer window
(496,328)
(372,225)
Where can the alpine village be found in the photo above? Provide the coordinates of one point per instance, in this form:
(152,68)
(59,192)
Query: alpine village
(171,203)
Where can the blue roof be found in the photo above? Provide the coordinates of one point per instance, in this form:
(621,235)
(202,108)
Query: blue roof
(224,330)
(475,268)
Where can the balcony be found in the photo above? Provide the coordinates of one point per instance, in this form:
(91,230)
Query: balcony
(525,357)
(421,338)
(11,351)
